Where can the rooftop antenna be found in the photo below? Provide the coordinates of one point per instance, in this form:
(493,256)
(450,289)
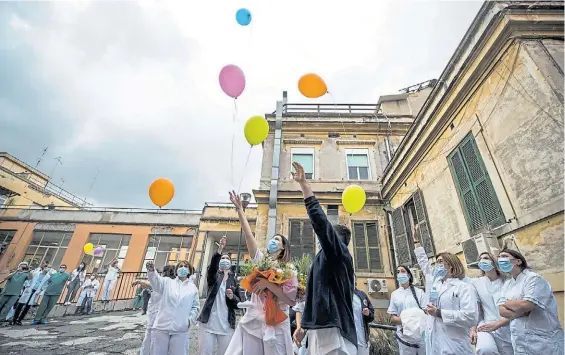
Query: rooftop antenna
(94,180)
(41,157)
(57,160)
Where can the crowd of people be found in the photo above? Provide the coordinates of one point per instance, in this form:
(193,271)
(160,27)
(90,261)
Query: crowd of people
(510,309)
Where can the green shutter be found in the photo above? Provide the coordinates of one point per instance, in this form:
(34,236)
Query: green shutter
(423,224)
(308,245)
(359,240)
(301,238)
(401,245)
(374,246)
(480,204)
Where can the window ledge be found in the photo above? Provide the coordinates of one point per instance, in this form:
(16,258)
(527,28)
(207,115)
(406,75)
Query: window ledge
(302,141)
(355,142)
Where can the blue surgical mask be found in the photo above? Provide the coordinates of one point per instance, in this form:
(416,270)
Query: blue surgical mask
(485,265)
(440,271)
(402,278)
(505,265)
(61,270)
(273,246)
(182,271)
(225,264)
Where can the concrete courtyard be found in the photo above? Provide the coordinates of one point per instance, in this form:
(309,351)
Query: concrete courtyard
(98,334)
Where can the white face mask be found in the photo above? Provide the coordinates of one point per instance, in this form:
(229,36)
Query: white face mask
(92,277)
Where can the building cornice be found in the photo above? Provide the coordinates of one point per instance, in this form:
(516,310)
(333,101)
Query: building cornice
(493,31)
(326,197)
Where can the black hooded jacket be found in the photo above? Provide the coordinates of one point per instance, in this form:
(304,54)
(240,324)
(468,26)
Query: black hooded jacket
(329,290)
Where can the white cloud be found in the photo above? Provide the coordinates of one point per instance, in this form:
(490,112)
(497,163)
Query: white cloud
(149,72)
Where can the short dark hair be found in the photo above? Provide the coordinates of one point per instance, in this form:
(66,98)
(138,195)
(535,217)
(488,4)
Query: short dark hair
(515,254)
(344,232)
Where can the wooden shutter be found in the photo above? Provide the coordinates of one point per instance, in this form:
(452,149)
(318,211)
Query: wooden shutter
(402,247)
(307,238)
(484,191)
(301,238)
(374,246)
(359,240)
(424,226)
(295,238)
(474,187)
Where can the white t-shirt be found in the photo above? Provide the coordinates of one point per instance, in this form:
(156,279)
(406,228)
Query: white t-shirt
(218,320)
(359,324)
(112,273)
(324,341)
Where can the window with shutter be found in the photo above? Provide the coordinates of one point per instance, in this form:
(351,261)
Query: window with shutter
(301,238)
(476,193)
(423,224)
(367,247)
(401,245)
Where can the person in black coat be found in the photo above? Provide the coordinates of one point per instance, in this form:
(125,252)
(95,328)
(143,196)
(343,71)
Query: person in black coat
(217,319)
(328,313)
(364,313)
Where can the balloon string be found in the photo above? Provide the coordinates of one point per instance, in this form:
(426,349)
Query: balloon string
(244,169)
(234,110)
(338,113)
(232,149)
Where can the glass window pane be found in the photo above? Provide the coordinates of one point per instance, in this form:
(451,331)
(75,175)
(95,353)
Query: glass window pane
(36,239)
(52,239)
(353,173)
(94,238)
(357,160)
(186,242)
(150,254)
(112,241)
(57,256)
(161,260)
(66,239)
(109,255)
(363,173)
(306,160)
(153,242)
(123,252)
(125,239)
(169,243)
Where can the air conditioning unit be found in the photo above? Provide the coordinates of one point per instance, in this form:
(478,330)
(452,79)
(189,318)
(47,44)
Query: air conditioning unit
(418,277)
(478,244)
(377,285)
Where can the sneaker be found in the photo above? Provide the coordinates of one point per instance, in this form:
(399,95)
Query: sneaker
(43,321)
(35,322)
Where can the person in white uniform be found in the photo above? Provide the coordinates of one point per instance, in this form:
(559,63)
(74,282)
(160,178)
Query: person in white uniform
(406,297)
(110,280)
(177,310)
(328,314)
(298,335)
(31,293)
(252,335)
(492,335)
(217,319)
(452,309)
(528,301)
(86,298)
(152,309)
(363,313)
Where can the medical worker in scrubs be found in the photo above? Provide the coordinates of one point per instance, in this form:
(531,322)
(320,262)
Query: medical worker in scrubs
(178,308)
(492,334)
(528,301)
(405,297)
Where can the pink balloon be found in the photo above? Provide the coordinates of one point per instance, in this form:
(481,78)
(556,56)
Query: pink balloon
(98,251)
(232,80)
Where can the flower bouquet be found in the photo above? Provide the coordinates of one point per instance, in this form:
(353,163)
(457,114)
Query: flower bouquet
(274,272)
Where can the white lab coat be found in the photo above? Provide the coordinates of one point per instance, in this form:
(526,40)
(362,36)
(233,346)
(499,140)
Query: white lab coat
(89,288)
(497,342)
(34,284)
(539,332)
(402,299)
(177,310)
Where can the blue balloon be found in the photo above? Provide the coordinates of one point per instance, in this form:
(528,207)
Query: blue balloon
(243,17)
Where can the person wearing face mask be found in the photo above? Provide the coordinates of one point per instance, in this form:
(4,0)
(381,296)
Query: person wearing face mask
(112,274)
(78,277)
(404,298)
(217,319)
(30,295)
(492,334)
(363,313)
(452,309)
(153,308)
(178,308)
(528,302)
(53,289)
(252,335)
(13,289)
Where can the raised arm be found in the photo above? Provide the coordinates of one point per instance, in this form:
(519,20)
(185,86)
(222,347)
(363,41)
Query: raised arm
(249,238)
(329,240)
(215,263)
(156,281)
(421,255)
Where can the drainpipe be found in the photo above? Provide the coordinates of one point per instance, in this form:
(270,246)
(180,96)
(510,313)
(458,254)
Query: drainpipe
(273,194)
(392,244)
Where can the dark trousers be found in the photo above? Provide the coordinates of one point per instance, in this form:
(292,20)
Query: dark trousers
(72,289)
(22,309)
(47,304)
(146,297)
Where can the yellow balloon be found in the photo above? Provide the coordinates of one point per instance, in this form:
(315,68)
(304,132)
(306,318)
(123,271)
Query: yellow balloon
(88,247)
(161,191)
(256,130)
(312,86)
(353,198)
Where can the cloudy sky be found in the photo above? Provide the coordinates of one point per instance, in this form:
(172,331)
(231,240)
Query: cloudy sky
(130,89)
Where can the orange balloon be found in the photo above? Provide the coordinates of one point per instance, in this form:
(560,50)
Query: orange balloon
(161,191)
(312,86)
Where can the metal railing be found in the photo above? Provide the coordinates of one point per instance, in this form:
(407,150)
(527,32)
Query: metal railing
(366,109)
(105,209)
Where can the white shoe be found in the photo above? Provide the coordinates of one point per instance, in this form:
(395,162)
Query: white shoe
(67,303)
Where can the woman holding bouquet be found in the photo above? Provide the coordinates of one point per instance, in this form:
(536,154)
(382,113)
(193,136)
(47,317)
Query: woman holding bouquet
(253,335)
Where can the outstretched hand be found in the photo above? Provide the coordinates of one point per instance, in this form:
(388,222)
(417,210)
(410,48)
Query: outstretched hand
(298,175)
(236,200)
(150,265)
(222,244)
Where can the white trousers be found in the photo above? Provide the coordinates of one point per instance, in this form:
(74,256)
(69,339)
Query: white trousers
(243,343)
(146,344)
(362,351)
(407,350)
(165,343)
(207,341)
(108,287)
(493,344)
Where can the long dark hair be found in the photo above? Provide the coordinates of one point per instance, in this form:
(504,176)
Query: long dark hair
(410,283)
(81,266)
(285,255)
